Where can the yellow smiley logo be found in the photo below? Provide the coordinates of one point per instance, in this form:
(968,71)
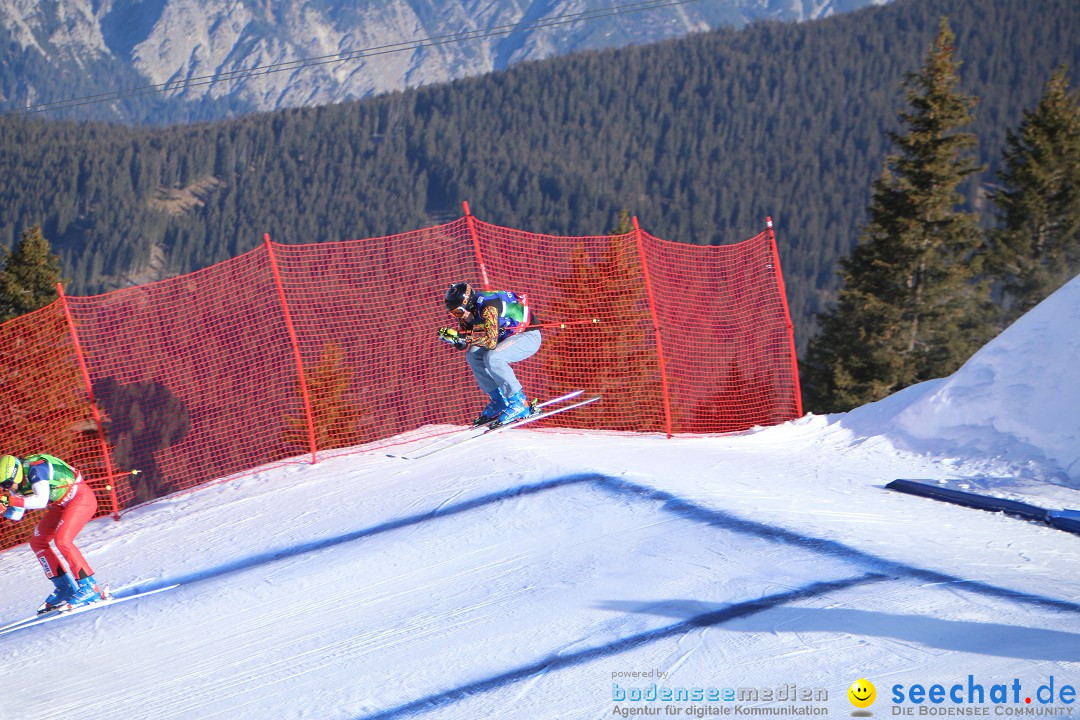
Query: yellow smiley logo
(861,693)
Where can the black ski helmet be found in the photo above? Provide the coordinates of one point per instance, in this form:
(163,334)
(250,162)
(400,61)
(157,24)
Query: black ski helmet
(460,295)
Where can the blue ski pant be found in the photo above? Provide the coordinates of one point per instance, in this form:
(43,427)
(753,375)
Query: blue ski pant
(492,367)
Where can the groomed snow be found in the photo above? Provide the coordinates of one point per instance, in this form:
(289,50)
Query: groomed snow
(528,574)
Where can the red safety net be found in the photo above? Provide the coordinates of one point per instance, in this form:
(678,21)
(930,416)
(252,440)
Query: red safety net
(196,378)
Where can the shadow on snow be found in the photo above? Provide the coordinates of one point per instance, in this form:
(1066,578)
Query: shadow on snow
(873,567)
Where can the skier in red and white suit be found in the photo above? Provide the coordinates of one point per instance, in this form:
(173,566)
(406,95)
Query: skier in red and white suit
(46,482)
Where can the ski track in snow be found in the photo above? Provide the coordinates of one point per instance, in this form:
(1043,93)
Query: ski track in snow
(504,578)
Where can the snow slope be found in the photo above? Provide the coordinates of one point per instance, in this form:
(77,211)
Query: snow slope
(993,406)
(531,574)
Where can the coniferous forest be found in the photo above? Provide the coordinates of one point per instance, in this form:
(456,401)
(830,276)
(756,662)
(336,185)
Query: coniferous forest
(701,138)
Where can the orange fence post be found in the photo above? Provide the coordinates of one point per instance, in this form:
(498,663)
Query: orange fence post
(656,326)
(297,357)
(476,245)
(95,413)
(787,313)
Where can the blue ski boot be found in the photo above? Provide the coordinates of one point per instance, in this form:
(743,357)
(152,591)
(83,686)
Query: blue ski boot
(65,589)
(496,406)
(87,592)
(517,407)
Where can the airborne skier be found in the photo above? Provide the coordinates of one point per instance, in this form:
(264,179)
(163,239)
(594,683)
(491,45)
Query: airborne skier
(495,327)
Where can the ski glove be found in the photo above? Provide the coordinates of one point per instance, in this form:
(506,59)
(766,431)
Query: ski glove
(450,335)
(11,513)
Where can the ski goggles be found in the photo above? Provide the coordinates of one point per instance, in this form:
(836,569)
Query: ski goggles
(459,312)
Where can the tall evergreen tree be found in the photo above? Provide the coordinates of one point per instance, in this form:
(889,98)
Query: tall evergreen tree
(339,420)
(1036,249)
(607,357)
(909,309)
(44,398)
(29,276)
(623,225)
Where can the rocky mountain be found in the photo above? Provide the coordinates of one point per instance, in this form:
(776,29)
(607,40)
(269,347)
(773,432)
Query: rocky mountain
(163,61)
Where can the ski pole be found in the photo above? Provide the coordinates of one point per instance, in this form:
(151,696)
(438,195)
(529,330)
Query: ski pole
(109,478)
(594,321)
(564,324)
(109,488)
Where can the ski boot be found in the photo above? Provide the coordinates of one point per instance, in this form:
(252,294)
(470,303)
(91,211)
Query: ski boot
(87,592)
(517,407)
(65,590)
(496,406)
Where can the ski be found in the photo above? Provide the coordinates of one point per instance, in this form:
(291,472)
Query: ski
(488,430)
(471,432)
(57,614)
(539,416)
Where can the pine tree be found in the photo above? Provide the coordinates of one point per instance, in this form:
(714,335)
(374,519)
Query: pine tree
(338,420)
(43,395)
(616,356)
(624,225)
(910,309)
(29,277)
(1036,248)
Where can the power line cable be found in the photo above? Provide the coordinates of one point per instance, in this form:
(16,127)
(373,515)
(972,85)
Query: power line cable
(304,63)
